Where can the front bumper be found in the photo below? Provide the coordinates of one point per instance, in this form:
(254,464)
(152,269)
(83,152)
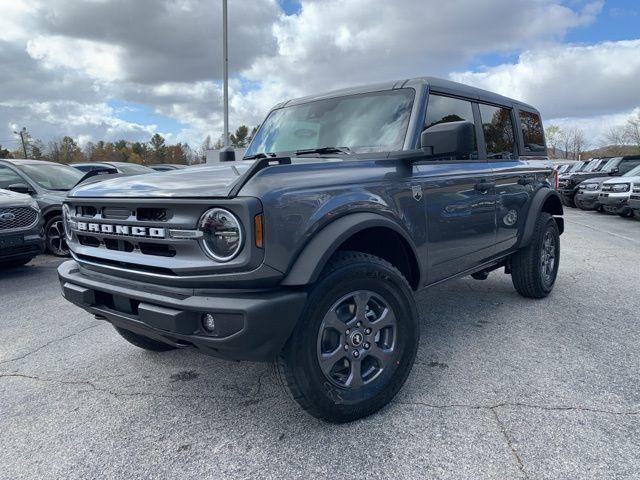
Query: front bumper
(21,245)
(615,203)
(251,325)
(588,200)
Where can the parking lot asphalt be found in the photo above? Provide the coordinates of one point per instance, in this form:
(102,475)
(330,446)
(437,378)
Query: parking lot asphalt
(503,387)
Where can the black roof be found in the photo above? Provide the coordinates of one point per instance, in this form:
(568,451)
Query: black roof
(437,84)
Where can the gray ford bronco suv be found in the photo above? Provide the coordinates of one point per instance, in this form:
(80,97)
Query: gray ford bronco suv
(310,250)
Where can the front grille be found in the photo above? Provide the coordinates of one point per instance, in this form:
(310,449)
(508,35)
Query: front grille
(17,218)
(607,188)
(151,214)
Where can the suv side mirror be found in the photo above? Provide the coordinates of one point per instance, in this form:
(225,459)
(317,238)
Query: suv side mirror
(21,188)
(614,171)
(452,138)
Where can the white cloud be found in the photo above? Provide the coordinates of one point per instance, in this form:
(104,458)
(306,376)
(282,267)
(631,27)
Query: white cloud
(569,80)
(97,60)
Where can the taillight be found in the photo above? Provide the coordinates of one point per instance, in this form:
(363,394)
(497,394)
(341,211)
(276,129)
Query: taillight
(555,179)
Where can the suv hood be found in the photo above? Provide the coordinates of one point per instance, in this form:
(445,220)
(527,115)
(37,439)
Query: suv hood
(576,178)
(197,182)
(13,199)
(634,180)
(598,180)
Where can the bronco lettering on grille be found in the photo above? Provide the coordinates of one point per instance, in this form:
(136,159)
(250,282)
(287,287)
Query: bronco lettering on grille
(124,230)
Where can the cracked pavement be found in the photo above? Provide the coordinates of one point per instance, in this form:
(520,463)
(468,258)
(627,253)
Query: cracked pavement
(503,387)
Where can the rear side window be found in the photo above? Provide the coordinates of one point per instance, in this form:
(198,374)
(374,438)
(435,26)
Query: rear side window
(498,131)
(446,109)
(532,132)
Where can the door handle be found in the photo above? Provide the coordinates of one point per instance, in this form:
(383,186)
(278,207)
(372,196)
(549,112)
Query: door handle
(484,187)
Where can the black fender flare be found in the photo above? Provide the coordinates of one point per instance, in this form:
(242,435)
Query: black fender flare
(551,199)
(314,256)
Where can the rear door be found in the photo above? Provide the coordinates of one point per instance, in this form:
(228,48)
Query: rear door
(515,176)
(459,197)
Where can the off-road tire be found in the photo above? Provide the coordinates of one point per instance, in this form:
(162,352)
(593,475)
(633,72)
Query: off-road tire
(298,365)
(582,206)
(143,342)
(526,265)
(568,202)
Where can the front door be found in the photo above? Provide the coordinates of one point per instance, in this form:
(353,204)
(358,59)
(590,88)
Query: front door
(459,198)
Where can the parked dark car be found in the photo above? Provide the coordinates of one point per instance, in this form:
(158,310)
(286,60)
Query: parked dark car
(616,166)
(165,167)
(21,229)
(124,168)
(47,183)
(310,251)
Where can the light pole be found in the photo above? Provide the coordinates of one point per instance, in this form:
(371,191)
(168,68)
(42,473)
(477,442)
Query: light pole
(24,147)
(226,154)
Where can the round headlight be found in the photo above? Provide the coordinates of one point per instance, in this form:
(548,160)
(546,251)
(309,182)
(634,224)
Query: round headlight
(222,234)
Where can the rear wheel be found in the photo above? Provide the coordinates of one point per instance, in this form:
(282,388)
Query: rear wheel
(534,268)
(143,342)
(581,205)
(356,341)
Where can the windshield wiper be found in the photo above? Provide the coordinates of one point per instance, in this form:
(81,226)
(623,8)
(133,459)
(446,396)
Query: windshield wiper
(259,155)
(322,150)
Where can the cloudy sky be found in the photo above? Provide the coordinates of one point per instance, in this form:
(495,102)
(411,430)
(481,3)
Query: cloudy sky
(124,69)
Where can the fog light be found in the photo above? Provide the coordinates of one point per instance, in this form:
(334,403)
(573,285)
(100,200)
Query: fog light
(208,323)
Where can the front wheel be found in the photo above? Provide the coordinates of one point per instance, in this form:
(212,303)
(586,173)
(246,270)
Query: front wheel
(55,237)
(356,341)
(534,268)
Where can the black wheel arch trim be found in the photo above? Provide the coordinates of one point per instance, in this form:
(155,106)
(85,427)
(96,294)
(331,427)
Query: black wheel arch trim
(543,197)
(314,256)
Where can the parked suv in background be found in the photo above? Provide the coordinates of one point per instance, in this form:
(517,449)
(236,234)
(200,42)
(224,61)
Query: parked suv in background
(616,193)
(616,166)
(568,182)
(311,250)
(48,184)
(21,233)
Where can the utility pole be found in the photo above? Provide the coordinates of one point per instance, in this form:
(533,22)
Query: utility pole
(225,71)
(227,154)
(24,146)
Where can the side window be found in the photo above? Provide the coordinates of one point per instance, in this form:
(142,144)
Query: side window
(628,165)
(498,131)
(532,132)
(446,109)
(8,177)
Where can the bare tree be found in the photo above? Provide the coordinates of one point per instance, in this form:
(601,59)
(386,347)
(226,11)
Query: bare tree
(632,131)
(565,141)
(578,142)
(552,136)
(615,139)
